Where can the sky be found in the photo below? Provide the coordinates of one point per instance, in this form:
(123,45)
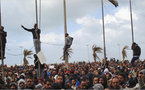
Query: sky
(83,24)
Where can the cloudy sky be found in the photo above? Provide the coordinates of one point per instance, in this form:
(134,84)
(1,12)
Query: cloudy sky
(83,23)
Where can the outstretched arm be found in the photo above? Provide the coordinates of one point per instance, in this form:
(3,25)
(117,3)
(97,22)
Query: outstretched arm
(26,28)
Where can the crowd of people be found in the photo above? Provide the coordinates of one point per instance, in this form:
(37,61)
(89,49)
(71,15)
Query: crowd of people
(81,75)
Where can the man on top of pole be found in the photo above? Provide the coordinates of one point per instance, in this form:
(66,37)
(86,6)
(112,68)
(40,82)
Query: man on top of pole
(36,36)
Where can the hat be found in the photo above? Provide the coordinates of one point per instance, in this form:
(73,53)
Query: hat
(23,74)
(98,87)
(38,86)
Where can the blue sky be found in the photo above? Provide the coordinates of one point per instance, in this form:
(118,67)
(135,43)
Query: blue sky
(83,23)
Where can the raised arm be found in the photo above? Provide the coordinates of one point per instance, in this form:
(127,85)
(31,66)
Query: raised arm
(30,30)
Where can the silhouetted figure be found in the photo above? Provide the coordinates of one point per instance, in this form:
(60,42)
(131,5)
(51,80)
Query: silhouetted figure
(68,43)
(3,41)
(36,36)
(136,53)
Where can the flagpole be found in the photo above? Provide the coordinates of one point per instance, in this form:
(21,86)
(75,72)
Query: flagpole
(65,29)
(131,21)
(103,33)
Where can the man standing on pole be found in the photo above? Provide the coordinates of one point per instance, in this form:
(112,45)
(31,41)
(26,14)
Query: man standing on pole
(136,53)
(68,43)
(3,41)
(36,36)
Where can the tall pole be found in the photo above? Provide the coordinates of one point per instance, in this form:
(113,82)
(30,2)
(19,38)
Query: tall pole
(39,13)
(65,23)
(131,21)
(36,12)
(36,8)
(103,33)
(65,30)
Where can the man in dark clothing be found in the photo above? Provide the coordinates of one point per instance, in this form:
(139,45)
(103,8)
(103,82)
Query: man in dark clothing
(36,36)
(136,53)
(36,62)
(3,41)
(68,43)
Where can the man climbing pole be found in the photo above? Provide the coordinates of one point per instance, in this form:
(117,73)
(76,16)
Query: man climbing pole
(36,36)
(68,43)
(136,53)
(3,41)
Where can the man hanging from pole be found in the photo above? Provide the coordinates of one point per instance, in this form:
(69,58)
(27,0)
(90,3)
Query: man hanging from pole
(136,53)
(3,41)
(68,43)
(36,36)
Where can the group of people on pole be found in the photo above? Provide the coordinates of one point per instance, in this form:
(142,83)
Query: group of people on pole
(68,42)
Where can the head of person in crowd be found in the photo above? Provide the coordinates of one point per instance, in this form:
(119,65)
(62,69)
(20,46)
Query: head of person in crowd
(73,82)
(115,84)
(95,80)
(13,85)
(59,79)
(108,76)
(83,85)
(48,84)
(68,85)
(21,84)
(40,80)
(122,79)
(22,76)
(98,87)
(29,83)
(103,81)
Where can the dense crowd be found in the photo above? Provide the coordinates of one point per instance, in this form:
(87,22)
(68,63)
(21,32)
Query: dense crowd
(80,75)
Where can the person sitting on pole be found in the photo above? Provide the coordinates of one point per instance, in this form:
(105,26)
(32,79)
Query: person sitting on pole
(68,43)
(136,53)
(36,36)
(3,41)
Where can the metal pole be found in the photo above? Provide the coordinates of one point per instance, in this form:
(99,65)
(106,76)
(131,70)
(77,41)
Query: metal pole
(37,36)
(36,12)
(103,33)
(131,21)
(39,13)
(65,30)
